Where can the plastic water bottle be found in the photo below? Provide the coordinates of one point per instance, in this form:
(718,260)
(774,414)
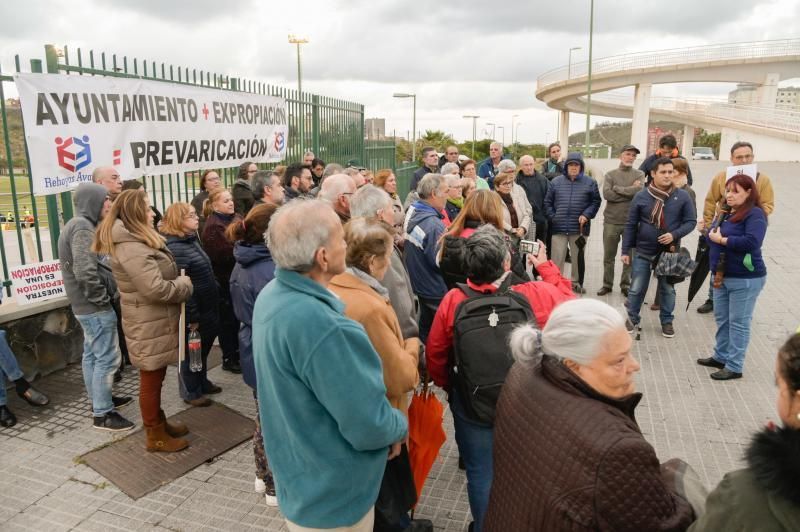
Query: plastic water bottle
(194,353)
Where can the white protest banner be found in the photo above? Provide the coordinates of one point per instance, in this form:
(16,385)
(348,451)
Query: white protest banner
(37,282)
(746,169)
(74,124)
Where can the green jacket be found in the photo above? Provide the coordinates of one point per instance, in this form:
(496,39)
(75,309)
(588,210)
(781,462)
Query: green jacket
(765,497)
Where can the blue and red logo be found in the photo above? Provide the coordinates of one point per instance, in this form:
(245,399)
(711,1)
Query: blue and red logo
(73,153)
(280,141)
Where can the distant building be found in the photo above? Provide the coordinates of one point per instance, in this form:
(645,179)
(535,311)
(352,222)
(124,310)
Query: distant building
(747,94)
(375,128)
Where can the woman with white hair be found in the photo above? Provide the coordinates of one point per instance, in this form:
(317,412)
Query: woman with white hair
(568,453)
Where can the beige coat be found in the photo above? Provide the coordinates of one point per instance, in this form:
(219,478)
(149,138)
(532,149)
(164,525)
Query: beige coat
(399,357)
(523,208)
(151,292)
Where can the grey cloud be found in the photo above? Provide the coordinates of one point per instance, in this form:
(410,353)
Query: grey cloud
(187,11)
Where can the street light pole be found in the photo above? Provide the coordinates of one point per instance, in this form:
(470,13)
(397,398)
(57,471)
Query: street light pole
(512,128)
(516,133)
(474,130)
(569,64)
(493,129)
(413,122)
(589,82)
(504,134)
(297,41)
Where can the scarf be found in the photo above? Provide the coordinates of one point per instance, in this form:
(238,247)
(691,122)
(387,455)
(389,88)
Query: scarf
(369,280)
(458,202)
(509,201)
(657,214)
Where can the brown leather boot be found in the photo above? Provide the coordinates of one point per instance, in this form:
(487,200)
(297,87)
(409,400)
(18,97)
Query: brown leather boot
(176,429)
(159,441)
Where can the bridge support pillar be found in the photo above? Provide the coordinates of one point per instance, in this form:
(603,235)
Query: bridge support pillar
(688,142)
(767,92)
(641,116)
(563,132)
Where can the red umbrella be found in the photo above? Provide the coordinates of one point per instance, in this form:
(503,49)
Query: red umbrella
(425,434)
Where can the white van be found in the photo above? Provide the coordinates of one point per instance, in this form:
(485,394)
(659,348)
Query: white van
(703,153)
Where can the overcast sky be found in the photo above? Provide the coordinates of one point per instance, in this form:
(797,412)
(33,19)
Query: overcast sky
(465,57)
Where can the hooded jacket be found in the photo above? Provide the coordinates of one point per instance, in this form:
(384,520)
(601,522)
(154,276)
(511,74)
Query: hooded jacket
(202,306)
(87,277)
(423,230)
(680,219)
(254,269)
(766,495)
(568,199)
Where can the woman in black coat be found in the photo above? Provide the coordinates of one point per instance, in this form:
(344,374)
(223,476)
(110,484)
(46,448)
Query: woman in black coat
(180,228)
(219,215)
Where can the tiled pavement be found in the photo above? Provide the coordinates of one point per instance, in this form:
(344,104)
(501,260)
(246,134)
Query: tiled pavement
(683,414)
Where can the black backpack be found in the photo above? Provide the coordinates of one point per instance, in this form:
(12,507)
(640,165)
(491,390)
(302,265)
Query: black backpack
(481,355)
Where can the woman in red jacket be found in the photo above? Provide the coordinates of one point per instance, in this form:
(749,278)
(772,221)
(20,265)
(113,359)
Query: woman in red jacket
(488,266)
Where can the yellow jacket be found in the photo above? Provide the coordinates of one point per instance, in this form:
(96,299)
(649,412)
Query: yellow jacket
(716,193)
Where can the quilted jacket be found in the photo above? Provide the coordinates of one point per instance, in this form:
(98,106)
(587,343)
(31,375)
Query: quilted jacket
(150,296)
(567,199)
(189,256)
(567,458)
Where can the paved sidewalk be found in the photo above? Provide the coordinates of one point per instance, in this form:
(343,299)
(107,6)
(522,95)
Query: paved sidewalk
(683,414)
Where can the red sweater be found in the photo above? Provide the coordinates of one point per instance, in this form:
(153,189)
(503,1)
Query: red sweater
(543,297)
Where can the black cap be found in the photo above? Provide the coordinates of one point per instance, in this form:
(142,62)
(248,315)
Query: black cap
(630,147)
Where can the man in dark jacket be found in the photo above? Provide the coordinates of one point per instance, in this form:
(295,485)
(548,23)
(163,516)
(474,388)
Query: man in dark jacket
(91,291)
(488,168)
(423,230)
(619,187)
(242,192)
(267,188)
(659,217)
(297,182)
(572,200)
(667,147)
(535,186)
(430,165)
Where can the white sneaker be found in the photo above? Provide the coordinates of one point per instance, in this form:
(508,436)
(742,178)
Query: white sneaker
(259,486)
(271,499)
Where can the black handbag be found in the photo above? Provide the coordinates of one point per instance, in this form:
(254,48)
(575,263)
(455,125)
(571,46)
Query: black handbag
(397,495)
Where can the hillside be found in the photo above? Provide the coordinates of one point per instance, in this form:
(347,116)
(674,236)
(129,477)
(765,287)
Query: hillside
(14,114)
(617,134)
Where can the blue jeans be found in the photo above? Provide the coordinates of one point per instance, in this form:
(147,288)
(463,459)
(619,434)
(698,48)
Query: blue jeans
(100,358)
(733,311)
(8,366)
(475,446)
(640,279)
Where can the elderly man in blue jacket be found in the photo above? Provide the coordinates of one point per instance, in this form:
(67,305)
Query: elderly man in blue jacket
(659,216)
(571,201)
(328,427)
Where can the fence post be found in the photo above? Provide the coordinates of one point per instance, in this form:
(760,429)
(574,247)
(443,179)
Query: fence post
(51,61)
(315,125)
(51,201)
(361,135)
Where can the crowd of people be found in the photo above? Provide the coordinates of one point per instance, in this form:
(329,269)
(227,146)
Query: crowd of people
(335,297)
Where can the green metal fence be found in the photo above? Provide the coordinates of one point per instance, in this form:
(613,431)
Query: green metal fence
(333,129)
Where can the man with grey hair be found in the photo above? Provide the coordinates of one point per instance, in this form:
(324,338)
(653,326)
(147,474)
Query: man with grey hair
(324,399)
(450,169)
(488,168)
(424,228)
(356,175)
(267,188)
(337,190)
(374,203)
(109,178)
(488,263)
(308,156)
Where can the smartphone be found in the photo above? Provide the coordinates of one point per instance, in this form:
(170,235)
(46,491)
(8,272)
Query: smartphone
(529,247)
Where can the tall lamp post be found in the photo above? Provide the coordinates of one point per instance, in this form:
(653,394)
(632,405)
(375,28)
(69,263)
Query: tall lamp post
(297,41)
(569,64)
(589,82)
(512,128)
(413,122)
(503,133)
(516,133)
(474,130)
(493,129)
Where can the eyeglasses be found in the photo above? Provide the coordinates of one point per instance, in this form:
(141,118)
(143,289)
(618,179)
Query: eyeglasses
(252,171)
(191,215)
(506,184)
(452,153)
